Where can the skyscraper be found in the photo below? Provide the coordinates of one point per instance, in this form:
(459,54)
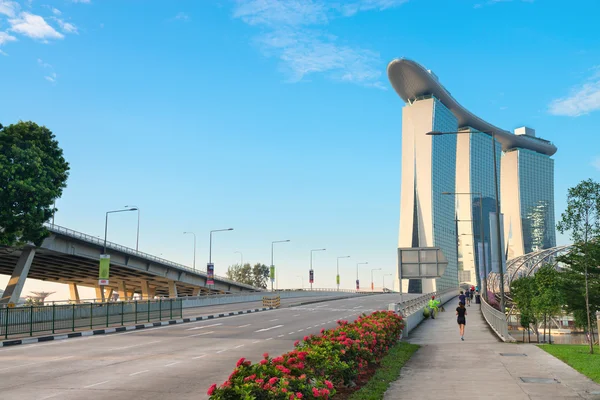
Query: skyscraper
(436,167)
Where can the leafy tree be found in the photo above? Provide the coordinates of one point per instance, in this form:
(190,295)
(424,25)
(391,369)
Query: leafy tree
(523,291)
(256,275)
(582,220)
(548,300)
(33,173)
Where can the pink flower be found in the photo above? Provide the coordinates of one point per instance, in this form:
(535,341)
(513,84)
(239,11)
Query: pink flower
(329,384)
(299,395)
(296,343)
(212,389)
(240,361)
(273,380)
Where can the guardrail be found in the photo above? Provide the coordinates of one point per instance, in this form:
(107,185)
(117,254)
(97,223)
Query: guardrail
(68,318)
(88,238)
(496,320)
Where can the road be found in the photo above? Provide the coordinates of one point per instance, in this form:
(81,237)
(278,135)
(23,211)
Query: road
(178,361)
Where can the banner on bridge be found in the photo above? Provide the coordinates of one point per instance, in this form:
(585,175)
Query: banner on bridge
(104,270)
(210,272)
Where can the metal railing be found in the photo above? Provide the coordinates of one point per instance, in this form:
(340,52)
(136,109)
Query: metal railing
(93,239)
(409,307)
(496,320)
(69,318)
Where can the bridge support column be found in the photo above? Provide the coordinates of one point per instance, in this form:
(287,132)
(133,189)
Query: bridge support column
(172,290)
(145,290)
(19,275)
(152,292)
(109,295)
(99,290)
(123,291)
(74,293)
(196,291)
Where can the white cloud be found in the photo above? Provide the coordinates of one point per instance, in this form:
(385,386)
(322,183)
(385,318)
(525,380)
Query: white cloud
(51,78)
(583,99)
(492,2)
(56,11)
(181,17)
(82,1)
(43,64)
(3,53)
(66,26)
(9,8)
(293,37)
(5,38)
(33,26)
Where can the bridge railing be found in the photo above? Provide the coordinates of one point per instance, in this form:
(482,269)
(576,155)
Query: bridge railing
(115,246)
(69,318)
(496,320)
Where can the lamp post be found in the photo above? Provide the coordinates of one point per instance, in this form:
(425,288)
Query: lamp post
(496,190)
(272,272)
(372,284)
(210,264)
(337,278)
(482,240)
(311,272)
(357,280)
(301,277)
(384,275)
(105,236)
(137,239)
(241,258)
(192,233)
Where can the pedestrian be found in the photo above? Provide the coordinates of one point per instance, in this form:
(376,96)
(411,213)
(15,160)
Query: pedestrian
(468,298)
(461,318)
(462,297)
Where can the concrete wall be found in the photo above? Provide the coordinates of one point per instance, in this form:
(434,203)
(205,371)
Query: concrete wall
(413,320)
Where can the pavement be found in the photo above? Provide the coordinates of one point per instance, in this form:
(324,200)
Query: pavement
(175,361)
(447,368)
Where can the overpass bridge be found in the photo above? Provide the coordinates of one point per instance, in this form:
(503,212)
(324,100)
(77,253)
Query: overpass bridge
(71,257)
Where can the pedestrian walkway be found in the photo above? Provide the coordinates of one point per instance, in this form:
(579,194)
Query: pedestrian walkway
(482,367)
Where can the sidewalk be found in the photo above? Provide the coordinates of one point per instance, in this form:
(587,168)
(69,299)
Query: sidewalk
(446,368)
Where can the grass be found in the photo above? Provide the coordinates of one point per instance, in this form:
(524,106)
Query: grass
(578,357)
(389,371)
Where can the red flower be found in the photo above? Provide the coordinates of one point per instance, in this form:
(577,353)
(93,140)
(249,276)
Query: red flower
(299,395)
(240,361)
(212,389)
(273,380)
(329,384)
(266,355)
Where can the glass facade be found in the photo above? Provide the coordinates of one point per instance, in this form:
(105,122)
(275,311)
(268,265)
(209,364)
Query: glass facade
(536,187)
(443,169)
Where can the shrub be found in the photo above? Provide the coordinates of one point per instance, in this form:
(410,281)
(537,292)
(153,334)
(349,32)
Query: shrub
(317,365)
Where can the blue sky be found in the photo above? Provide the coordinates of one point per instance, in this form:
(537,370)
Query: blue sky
(276,117)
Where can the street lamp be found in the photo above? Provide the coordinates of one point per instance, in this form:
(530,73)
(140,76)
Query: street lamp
(372,284)
(311,273)
(104,256)
(192,233)
(210,243)
(137,240)
(337,278)
(241,258)
(301,277)
(272,265)
(384,275)
(496,190)
(357,280)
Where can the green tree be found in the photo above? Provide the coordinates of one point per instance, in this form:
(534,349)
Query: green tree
(33,173)
(260,273)
(523,290)
(250,275)
(582,220)
(548,300)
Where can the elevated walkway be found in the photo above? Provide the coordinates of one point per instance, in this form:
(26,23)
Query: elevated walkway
(447,368)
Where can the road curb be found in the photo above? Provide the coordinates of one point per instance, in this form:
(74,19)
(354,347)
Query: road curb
(320,301)
(106,331)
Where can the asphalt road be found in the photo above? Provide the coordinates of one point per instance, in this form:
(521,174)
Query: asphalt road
(178,361)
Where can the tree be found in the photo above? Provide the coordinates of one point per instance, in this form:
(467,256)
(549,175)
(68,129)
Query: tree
(582,219)
(523,291)
(548,300)
(33,173)
(250,275)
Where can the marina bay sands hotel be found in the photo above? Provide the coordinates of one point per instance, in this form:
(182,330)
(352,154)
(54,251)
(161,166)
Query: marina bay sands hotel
(447,185)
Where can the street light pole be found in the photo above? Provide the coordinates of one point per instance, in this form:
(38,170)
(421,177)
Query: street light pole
(105,236)
(137,240)
(311,265)
(194,247)
(337,278)
(210,242)
(372,284)
(272,272)
(301,277)
(241,258)
(357,280)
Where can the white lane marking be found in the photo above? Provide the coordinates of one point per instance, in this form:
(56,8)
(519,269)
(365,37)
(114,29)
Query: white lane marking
(300,330)
(243,326)
(268,329)
(280,335)
(202,327)
(49,397)
(96,384)
(237,347)
(269,338)
(139,372)
(201,334)
(273,320)
(36,363)
(135,345)
(220,351)
(256,341)
(173,363)
(291,333)
(354,308)
(197,357)
(297,315)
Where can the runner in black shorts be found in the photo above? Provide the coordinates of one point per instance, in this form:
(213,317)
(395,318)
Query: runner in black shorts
(461,314)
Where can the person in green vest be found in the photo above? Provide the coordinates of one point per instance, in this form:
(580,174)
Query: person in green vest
(433,306)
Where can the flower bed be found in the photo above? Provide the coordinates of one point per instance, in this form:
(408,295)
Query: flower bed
(320,364)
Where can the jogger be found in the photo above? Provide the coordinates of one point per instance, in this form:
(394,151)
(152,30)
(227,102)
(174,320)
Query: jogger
(461,314)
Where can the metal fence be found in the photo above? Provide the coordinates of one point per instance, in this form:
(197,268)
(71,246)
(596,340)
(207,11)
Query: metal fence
(496,320)
(69,318)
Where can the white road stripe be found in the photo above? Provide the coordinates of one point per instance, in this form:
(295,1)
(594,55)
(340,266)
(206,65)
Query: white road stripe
(268,329)
(280,335)
(243,326)
(220,351)
(49,397)
(273,320)
(202,327)
(201,334)
(297,315)
(197,357)
(256,341)
(269,338)
(135,345)
(96,384)
(139,372)
(173,363)
(36,363)
(237,347)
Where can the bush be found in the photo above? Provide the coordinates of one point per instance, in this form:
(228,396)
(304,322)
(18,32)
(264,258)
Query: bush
(317,365)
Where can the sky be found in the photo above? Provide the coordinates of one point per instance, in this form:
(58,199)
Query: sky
(276,118)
